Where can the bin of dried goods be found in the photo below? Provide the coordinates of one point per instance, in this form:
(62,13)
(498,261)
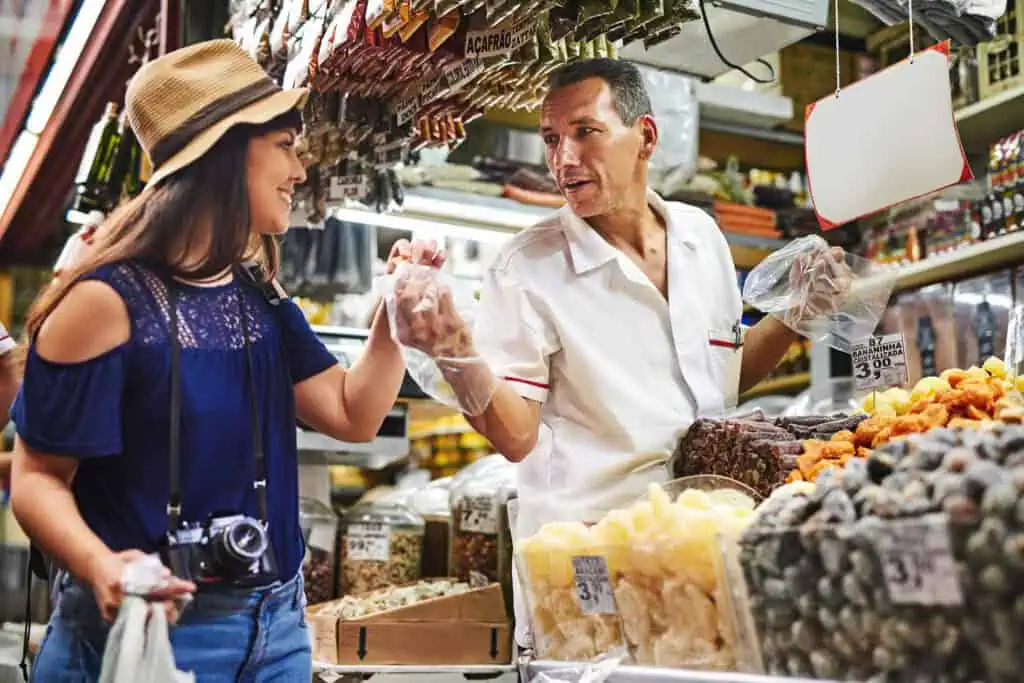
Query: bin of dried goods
(906,565)
(644,581)
(752,449)
(478,540)
(431,503)
(319,527)
(381,545)
(426,623)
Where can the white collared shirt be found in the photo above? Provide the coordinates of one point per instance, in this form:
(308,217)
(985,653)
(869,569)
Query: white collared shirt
(573,323)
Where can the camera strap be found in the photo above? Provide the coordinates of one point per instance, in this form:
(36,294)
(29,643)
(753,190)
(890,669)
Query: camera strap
(174,456)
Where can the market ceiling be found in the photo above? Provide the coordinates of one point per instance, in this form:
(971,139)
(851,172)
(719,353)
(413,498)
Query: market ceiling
(40,198)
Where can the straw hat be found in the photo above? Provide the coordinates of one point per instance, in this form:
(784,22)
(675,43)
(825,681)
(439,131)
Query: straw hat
(180,104)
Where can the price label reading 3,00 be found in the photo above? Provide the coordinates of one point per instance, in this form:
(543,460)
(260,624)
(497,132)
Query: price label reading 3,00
(593,585)
(880,362)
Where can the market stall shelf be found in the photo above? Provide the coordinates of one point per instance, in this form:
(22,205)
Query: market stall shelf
(984,256)
(990,119)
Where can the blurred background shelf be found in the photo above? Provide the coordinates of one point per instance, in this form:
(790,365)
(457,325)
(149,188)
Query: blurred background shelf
(789,384)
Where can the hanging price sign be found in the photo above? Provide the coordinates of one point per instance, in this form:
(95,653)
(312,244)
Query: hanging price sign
(917,561)
(368,542)
(880,362)
(593,585)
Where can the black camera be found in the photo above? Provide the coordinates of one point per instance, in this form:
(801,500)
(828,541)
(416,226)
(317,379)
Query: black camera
(233,549)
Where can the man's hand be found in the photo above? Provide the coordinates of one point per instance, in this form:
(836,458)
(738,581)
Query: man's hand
(426,317)
(819,281)
(420,252)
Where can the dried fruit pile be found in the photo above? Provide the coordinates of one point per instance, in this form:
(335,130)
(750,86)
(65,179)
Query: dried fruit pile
(906,565)
(972,398)
(752,449)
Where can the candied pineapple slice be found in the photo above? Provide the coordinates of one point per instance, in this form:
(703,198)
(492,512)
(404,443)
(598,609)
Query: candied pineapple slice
(995,367)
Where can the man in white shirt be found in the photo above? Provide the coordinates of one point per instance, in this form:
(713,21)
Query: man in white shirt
(613,323)
(609,326)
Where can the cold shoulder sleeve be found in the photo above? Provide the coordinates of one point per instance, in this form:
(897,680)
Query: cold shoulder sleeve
(72,409)
(306,354)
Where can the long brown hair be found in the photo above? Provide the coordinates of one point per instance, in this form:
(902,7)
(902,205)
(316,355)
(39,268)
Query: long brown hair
(171,218)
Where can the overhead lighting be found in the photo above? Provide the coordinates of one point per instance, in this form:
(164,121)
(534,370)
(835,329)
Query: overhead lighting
(67,56)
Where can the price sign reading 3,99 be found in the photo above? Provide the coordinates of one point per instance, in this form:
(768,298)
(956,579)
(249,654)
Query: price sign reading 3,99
(880,362)
(593,585)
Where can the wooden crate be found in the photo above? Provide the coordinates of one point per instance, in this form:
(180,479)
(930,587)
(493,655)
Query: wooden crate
(808,73)
(1000,66)
(1001,61)
(469,628)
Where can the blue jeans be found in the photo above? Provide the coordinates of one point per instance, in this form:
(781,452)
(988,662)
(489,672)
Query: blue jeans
(257,636)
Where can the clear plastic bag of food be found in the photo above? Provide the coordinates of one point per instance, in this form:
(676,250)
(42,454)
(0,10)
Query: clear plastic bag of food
(823,293)
(431,316)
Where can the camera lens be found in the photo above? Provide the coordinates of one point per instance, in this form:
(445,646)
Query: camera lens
(239,545)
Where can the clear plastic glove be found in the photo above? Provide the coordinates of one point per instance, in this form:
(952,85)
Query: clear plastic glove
(431,314)
(821,292)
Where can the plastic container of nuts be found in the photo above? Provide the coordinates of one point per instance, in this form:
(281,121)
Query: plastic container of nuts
(905,566)
(477,502)
(319,527)
(431,502)
(381,545)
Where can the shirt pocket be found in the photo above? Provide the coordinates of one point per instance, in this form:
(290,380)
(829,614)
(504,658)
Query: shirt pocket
(725,349)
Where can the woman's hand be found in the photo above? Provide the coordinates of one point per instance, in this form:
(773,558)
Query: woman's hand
(419,252)
(106,576)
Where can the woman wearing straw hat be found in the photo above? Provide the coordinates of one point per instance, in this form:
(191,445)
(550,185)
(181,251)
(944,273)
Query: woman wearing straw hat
(164,378)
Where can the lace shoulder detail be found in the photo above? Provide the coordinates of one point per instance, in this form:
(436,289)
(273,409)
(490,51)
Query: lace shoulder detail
(208,317)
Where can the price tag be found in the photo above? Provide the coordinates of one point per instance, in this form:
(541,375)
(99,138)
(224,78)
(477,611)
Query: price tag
(322,537)
(503,39)
(593,585)
(348,187)
(479,514)
(368,542)
(917,562)
(405,111)
(880,362)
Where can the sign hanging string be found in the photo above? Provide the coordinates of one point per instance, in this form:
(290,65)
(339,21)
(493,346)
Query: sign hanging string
(910,17)
(837,48)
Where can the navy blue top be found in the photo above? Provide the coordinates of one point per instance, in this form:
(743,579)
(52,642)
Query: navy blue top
(112,412)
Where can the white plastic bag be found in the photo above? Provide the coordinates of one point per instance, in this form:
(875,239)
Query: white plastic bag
(821,292)
(139,646)
(431,317)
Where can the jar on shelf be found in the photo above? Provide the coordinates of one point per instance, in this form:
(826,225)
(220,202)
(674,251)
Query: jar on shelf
(477,503)
(319,527)
(431,503)
(381,545)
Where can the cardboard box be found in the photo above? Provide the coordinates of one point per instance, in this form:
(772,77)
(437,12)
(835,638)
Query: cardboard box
(469,628)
